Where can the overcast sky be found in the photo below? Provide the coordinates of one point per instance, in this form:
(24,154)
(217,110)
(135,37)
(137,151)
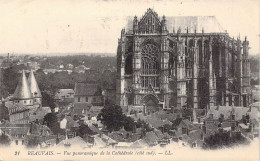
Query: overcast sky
(56,26)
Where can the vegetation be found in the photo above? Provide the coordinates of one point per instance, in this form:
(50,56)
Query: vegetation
(220,140)
(84,129)
(33,142)
(49,83)
(4,140)
(114,119)
(51,121)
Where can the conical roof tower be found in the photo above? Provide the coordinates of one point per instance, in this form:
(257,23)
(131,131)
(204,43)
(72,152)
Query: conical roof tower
(34,86)
(22,91)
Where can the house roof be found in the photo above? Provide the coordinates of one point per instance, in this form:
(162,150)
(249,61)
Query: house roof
(39,114)
(139,144)
(87,89)
(151,138)
(255,104)
(83,105)
(95,110)
(63,92)
(76,141)
(15,129)
(227,111)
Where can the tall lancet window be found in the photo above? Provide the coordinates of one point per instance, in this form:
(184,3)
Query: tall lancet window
(150,66)
(199,45)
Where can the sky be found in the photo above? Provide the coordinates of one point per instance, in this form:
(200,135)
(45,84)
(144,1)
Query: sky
(82,26)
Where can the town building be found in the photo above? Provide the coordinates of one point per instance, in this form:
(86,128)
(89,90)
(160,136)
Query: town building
(86,96)
(64,95)
(184,61)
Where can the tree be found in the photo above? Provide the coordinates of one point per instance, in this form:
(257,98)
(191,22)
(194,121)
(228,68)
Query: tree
(4,114)
(223,139)
(4,140)
(33,142)
(84,129)
(52,122)
(112,117)
(47,100)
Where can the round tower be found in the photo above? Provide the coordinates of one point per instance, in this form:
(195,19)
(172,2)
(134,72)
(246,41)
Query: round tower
(22,94)
(34,88)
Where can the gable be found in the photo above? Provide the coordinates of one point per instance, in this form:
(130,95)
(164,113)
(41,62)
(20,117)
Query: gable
(149,23)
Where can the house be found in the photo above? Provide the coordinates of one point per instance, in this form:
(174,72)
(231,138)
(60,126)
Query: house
(61,66)
(74,143)
(65,95)
(188,132)
(228,118)
(69,66)
(86,96)
(67,123)
(18,114)
(17,132)
(256,93)
(81,69)
(39,114)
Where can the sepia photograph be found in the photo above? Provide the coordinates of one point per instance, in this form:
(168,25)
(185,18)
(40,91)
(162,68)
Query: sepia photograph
(138,80)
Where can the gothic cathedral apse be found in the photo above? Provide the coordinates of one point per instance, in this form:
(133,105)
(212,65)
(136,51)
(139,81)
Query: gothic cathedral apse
(197,66)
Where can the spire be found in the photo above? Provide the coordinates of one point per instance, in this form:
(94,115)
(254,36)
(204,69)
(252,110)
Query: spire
(22,90)
(33,85)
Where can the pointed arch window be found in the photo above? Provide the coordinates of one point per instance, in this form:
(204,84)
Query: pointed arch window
(129,64)
(150,66)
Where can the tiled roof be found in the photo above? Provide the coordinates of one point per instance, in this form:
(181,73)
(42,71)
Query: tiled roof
(83,105)
(188,124)
(226,111)
(62,92)
(139,144)
(39,114)
(87,89)
(76,141)
(15,129)
(151,138)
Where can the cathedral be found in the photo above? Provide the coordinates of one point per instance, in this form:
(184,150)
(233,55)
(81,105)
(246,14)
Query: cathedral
(183,61)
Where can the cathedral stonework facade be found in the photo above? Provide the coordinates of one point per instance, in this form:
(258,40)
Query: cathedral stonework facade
(197,66)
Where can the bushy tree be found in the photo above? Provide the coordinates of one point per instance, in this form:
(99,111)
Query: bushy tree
(4,140)
(223,139)
(51,120)
(33,142)
(114,119)
(84,129)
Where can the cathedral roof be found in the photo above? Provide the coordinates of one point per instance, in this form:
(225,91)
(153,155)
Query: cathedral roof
(22,90)
(209,24)
(33,85)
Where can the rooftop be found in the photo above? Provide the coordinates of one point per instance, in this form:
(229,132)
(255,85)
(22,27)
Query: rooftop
(87,89)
